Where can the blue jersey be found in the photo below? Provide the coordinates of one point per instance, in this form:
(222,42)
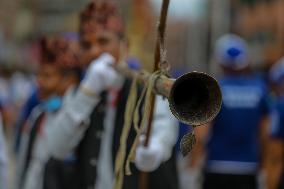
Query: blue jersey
(233,146)
(277,126)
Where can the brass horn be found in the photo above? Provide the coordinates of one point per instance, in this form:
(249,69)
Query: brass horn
(195,98)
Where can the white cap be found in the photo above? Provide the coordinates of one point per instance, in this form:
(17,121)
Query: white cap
(231,51)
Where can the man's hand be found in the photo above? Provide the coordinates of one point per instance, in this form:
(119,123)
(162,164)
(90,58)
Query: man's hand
(100,75)
(149,158)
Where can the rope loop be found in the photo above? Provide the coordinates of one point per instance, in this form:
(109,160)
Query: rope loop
(132,116)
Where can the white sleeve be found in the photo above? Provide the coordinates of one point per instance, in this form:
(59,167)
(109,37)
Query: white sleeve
(69,124)
(165,126)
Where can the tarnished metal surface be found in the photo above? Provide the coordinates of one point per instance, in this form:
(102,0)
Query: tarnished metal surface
(195,98)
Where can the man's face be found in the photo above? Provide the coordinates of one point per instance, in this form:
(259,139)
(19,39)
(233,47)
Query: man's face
(100,42)
(48,80)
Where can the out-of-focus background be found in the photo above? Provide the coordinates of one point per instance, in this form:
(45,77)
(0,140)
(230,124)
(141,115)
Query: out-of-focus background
(193,26)
(192,29)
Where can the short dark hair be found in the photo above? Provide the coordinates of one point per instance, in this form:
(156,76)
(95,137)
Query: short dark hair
(59,51)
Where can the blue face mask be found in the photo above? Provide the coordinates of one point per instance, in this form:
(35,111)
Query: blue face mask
(52,104)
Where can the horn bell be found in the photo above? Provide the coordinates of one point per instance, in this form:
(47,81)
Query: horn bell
(195,98)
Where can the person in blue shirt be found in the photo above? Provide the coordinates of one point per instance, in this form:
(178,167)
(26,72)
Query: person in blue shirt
(275,153)
(235,140)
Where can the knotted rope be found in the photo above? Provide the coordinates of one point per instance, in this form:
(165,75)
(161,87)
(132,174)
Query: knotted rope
(132,116)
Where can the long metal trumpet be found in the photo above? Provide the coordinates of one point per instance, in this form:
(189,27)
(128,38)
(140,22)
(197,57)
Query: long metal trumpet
(195,98)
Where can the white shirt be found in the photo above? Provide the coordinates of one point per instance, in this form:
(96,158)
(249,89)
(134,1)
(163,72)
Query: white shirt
(105,167)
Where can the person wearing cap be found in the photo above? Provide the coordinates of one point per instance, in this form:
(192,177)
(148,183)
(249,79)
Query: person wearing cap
(32,101)
(274,159)
(59,69)
(235,141)
(92,121)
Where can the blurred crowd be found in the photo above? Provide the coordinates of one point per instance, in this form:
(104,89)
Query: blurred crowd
(66,119)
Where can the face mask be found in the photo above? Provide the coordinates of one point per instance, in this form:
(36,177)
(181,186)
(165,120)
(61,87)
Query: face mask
(52,104)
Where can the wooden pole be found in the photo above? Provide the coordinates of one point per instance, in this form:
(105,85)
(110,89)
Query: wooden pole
(143,182)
